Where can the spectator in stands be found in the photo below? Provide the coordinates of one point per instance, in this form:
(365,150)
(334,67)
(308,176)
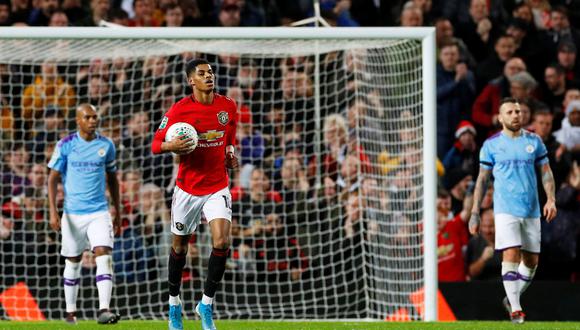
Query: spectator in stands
(341,10)
(567,52)
(483,261)
(96,67)
(273,123)
(349,178)
(459,184)
(58,19)
(411,16)
(525,41)
(464,153)
(73,10)
(135,136)
(524,12)
(478,32)
(569,135)
(14,171)
(554,88)
(571,94)
(253,205)
(156,220)
(103,96)
(559,30)
(144,14)
(455,93)
(540,13)
(492,66)
(295,189)
(173,16)
(452,238)
(250,140)
(229,14)
(559,159)
(336,142)
(376,203)
(41,16)
(279,257)
(560,238)
(5,10)
(119,16)
(252,87)
(99,11)
(250,217)
(526,114)
(48,88)
(52,130)
(37,178)
(456,10)
(360,125)
(444,31)
(486,105)
(297,91)
(21,10)
(522,87)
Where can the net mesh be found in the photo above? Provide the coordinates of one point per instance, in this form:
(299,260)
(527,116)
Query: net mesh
(327,210)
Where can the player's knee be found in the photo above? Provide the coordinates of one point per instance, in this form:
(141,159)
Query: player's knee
(102,250)
(180,249)
(74,260)
(104,264)
(221,242)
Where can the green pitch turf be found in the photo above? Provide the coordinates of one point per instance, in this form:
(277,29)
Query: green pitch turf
(268,325)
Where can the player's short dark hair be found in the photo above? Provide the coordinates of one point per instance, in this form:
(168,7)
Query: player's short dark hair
(191,65)
(508,100)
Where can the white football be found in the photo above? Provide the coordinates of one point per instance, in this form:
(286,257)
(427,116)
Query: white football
(184,131)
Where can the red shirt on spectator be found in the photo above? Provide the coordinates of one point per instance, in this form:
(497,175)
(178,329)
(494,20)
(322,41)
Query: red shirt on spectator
(450,242)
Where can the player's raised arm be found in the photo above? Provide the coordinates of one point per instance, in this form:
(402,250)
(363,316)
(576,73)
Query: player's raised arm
(480,187)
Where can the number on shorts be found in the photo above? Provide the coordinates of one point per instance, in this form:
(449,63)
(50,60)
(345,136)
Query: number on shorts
(228,206)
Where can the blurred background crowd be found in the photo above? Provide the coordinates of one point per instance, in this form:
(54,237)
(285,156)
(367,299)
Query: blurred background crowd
(287,221)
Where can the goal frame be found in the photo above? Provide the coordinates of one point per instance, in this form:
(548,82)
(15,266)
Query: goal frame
(425,34)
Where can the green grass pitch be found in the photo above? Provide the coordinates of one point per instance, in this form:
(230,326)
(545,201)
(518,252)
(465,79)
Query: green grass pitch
(270,325)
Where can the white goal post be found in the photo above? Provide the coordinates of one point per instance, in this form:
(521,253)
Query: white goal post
(394,72)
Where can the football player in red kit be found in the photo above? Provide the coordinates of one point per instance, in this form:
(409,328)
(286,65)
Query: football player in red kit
(202,183)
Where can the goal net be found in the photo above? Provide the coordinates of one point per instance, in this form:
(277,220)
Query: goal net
(327,203)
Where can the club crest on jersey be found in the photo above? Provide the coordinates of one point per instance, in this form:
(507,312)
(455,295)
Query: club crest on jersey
(163,123)
(102,152)
(223,117)
(530,148)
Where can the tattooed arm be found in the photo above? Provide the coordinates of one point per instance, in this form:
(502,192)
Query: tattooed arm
(550,188)
(480,187)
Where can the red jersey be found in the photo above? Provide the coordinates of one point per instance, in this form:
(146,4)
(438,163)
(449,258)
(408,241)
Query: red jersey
(450,242)
(202,171)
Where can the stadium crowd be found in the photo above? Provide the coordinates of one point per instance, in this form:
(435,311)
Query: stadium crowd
(487,50)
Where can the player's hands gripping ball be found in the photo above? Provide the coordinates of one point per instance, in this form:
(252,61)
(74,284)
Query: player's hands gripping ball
(474,222)
(231,160)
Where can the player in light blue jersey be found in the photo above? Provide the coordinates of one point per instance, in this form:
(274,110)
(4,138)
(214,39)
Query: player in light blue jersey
(512,157)
(85,163)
